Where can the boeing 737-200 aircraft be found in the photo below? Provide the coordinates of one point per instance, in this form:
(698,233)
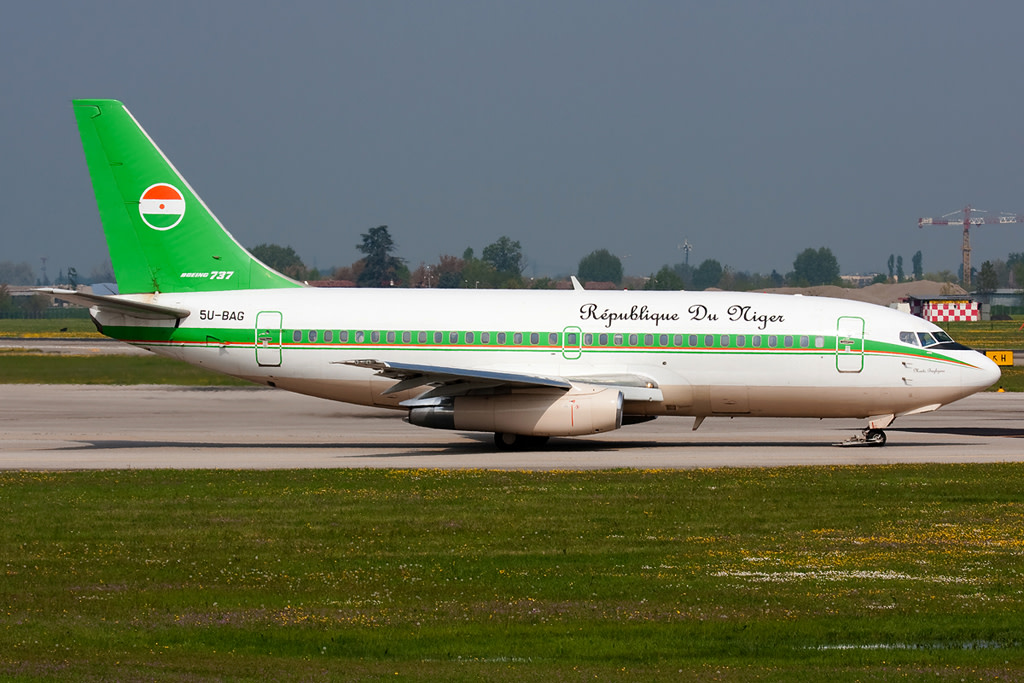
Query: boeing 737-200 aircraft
(525,365)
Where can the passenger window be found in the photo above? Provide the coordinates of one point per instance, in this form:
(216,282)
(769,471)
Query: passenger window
(632,340)
(649,340)
(588,339)
(725,340)
(602,340)
(438,337)
(517,338)
(804,341)
(773,341)
(788,341)
(534,338)
(422,337)
(360,336)
(693,340)
(663,340)
(453,337)
(819,342)
(741,340)
(406,337)
(485,337)
(570,339)
(677,340)
(616,340)
(328,336)
(470,337)
(391,337)
(343,336)
(375,336)
(553,338)
(756,341)
(501,338)
(709,340)
(297,336)
(312,335)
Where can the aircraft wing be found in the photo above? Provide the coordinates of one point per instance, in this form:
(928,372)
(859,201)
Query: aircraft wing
(450,381)
(114,304)
(453,381)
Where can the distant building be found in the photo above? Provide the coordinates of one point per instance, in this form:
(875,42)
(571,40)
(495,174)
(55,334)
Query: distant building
(859,280)
(945,308)
(1010,298)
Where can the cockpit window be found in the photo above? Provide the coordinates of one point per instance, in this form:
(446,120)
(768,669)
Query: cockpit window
(909,338)
(943,337)
(926,339)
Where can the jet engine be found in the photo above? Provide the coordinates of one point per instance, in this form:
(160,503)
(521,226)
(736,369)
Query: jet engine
(581,411)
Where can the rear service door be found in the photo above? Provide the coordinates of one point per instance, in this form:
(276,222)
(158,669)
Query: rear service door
(268,338)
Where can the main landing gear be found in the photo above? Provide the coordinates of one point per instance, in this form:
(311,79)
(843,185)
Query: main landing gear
(518,442)
(872,435)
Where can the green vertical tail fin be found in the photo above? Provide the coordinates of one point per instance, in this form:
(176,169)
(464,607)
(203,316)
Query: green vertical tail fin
(161,236)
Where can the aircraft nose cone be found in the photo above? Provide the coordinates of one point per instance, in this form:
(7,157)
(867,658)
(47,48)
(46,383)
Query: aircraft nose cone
(986,374)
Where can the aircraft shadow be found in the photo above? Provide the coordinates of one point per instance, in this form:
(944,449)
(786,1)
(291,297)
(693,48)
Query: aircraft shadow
(1003,432)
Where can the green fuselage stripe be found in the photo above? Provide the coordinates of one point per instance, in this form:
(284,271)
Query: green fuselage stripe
(452,340)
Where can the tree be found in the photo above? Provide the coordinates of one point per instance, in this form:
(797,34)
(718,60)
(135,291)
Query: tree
(708,274)
(988,280)
(12,273)
(380,267)
(282,259)
(892,270)
(899,269)
(449,271)
(506,256)
(665,279)
(1015,264)
(600,266)
(816,267)
(918,269)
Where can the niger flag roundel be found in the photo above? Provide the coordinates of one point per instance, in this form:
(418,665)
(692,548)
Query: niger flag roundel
(161,206)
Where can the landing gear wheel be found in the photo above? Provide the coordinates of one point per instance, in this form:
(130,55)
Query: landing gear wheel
(868,437)
(518,442)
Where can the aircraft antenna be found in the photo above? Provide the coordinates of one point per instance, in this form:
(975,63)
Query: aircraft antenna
(967,221)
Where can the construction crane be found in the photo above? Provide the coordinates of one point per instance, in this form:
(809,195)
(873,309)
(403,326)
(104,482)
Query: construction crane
(967,221)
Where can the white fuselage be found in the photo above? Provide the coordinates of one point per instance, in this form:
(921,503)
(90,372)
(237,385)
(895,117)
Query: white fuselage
(704,353)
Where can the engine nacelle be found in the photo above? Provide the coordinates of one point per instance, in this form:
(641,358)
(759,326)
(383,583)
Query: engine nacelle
(581,411)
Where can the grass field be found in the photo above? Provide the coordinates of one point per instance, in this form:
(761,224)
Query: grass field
(65,328)
(19,368)
(994,335)
(866,573)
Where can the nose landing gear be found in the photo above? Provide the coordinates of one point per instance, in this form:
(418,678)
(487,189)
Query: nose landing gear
(872,435)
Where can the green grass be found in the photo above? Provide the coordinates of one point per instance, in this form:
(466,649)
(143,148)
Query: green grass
(1012,379)
(19,368)
(863,573)
(66,327)
(994,335)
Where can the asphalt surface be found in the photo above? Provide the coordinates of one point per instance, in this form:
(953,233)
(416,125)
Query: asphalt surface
(67,427)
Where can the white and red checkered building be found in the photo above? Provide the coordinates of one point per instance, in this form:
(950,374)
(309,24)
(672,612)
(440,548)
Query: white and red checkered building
(945,309)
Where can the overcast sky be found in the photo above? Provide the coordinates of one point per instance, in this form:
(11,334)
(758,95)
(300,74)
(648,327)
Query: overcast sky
(751,129)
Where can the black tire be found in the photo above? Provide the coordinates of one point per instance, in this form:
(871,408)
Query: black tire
(875,437)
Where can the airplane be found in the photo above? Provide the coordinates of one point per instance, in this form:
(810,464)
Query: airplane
(525,365)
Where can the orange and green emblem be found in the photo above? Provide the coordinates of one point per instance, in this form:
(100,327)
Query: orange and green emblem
(162,206)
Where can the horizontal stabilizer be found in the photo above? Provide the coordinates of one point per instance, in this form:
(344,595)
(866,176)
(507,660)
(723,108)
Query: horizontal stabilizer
(116,304)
